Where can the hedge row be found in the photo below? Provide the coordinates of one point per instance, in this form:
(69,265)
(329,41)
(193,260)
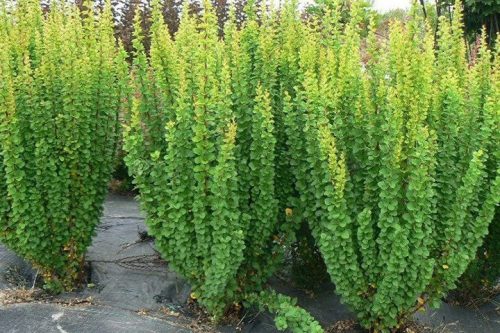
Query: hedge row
(387,148)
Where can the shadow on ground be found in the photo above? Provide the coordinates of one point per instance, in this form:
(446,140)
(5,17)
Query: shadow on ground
(133,291)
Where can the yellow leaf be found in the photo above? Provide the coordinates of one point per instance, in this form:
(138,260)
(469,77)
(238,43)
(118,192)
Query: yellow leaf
(446,266)
(420,301)
(288,212)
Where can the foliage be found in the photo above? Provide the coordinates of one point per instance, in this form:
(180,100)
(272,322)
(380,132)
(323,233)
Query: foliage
(343,9)
(482,13)
(61,86)
(246,126)
(204,146)
(125,10)
(478,14)
(480,280)
(483,273)
(392,162)
(288,314)
(396,165)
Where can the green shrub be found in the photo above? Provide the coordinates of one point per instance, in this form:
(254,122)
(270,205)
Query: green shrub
(479,283)
(61,82)
(202,146)
(396,165)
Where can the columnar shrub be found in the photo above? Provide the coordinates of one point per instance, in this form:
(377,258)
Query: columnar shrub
(397,165)
(202,145)
(61,84)
(483,273)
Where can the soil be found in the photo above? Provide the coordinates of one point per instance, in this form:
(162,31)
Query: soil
(132,290)
(474,299)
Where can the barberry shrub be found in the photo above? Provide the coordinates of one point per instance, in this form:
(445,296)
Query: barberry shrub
(480,282)
(482,275)
(395,147)
(202,146)
(61,84)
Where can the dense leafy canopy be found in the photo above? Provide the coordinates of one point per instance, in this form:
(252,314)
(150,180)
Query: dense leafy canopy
(478,14)
(204,150)
(398,162)
(61,86)
(380,146)
(240,133)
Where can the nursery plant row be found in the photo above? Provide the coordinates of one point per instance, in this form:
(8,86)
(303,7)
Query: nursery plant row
(386,146)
